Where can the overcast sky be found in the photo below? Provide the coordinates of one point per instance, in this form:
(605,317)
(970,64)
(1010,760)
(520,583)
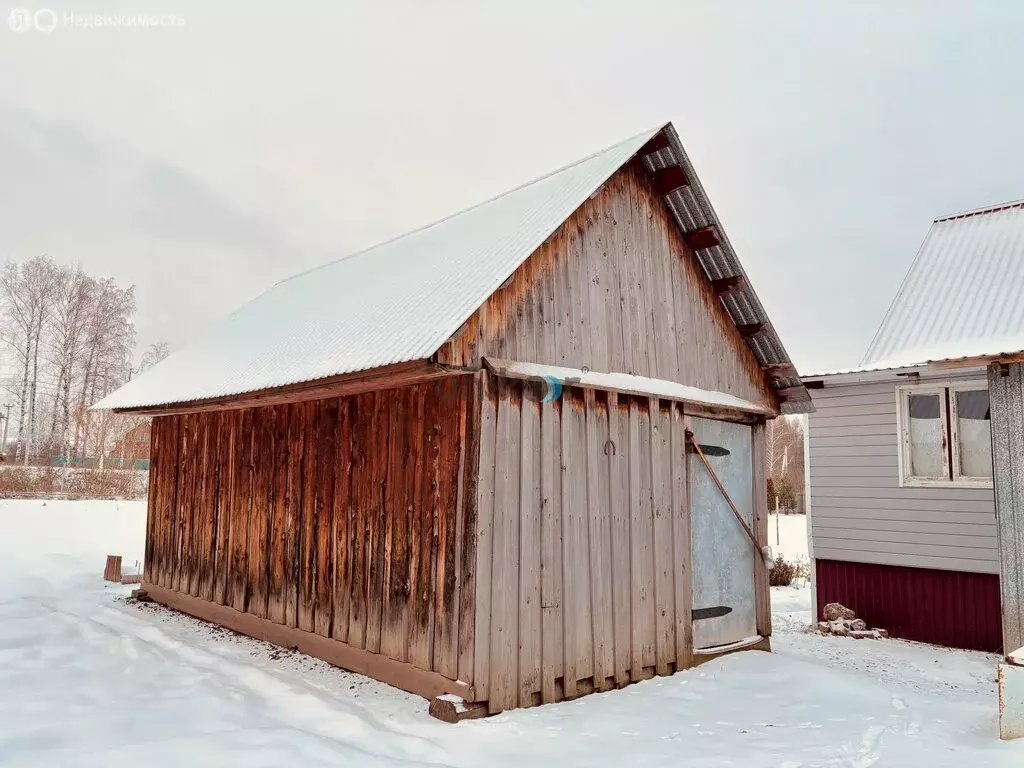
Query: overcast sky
(205,160)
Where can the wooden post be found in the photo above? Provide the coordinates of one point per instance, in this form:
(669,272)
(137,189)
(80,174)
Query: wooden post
(1006,397)
(113,570)
(762,591)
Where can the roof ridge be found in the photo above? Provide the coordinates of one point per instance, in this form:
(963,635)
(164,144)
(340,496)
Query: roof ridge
(980,211)
(649,132)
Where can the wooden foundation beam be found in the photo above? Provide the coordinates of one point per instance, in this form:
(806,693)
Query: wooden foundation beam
(452,709)
(397,673)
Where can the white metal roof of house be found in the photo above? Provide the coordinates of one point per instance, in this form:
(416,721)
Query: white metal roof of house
(401,300)
(961,297)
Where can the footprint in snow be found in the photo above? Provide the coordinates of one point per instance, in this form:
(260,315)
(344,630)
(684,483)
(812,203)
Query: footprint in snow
(898,702)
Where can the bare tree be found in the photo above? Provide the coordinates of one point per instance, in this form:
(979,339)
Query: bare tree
(26,291)
(156,352)
(73,300)
(784,448)
(109,343)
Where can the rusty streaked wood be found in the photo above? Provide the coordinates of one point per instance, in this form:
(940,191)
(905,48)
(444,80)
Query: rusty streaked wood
(280,513)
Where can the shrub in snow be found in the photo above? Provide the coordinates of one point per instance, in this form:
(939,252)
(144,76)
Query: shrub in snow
(783,573)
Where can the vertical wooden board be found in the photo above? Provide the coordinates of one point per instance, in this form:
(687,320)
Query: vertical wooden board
(380,482)
(278,580)
(173,509)
(361,493)
(423,516)
(158,482)
(398,503)
(664,262)
(327,458)
(308,544)
(633,325)
(576,329)
(186,461)
(466,546)
(151,513)
(545,306)
(595,272)
(225,467)
(259,513)
(618,492)
(611,258)
(240,504)
(681,542)
(504,656)
(452,401)
(762,590)
(552,622)
(530,503)
(661,500)
(641,288)
(343,509)
(212,452)
(426,530)
(683,321)
(485,535)
(293,512)
(564,328)
(193,538)
(205,509)
(640,535)
(579,645)
(599,535)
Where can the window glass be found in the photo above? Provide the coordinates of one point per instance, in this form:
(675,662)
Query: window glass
(973,432)
(926,443)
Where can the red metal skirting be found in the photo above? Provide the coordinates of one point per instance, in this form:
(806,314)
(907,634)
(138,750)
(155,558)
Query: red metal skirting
(951,608)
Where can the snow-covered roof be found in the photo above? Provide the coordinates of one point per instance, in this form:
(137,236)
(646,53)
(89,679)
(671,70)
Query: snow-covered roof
(961,296)
(401,300)
(626,383)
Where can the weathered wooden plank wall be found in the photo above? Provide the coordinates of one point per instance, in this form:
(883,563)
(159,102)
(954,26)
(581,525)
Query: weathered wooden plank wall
(1006,393)
(349,517)
(583,560)
(615,288)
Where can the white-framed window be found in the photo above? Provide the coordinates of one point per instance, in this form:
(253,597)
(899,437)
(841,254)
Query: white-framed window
(945,434)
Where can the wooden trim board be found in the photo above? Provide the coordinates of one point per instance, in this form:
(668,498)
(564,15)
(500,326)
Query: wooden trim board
(385,377)
(397,673)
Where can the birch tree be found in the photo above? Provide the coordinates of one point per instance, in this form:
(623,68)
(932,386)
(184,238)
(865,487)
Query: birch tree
(26,291)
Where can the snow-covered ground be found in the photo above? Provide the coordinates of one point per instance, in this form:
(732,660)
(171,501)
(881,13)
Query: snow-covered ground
(88,679)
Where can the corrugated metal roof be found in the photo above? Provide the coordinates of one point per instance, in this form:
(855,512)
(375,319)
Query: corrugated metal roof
(962,295)
(401,300)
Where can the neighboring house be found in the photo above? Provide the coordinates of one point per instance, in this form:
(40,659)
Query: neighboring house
(458,461)
(903,513)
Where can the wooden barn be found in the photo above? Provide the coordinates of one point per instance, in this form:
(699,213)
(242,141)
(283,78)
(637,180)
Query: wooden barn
(515,456)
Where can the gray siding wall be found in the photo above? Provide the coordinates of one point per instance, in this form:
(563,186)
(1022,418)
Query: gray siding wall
(859,511)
